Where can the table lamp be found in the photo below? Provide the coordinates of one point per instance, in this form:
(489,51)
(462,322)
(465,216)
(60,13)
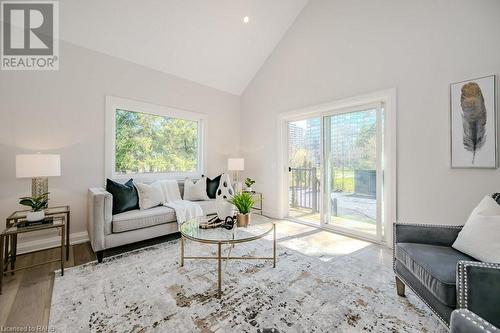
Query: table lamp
(38,167)
(236,165)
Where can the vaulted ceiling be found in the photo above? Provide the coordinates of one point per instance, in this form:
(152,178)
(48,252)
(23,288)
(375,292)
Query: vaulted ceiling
(205,41)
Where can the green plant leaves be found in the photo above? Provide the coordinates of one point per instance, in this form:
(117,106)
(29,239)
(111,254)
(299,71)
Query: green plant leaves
(243,202)
(36,203)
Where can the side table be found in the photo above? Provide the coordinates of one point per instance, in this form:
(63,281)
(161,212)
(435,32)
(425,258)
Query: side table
(50,211)
(13,231)
(257,208)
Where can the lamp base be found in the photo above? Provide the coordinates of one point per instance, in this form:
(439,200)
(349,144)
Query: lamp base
(39,186)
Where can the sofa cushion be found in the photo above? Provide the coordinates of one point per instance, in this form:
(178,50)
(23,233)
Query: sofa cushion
(125,196)
(212,186)
(435,266)
(137,219)
(479,236)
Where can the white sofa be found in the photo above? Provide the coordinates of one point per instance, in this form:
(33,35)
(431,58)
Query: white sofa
(107,231)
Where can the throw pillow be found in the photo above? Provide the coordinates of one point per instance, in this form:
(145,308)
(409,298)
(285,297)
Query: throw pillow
(170,190)
(496,196)
(195,191)
(124,196)
(479,236)
(225,190)
(212,186)
(150,195)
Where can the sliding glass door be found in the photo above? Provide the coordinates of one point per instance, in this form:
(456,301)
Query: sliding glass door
(304,170)
(352,193)
(335,170)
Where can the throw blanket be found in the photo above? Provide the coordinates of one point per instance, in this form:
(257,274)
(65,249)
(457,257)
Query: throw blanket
(184,210)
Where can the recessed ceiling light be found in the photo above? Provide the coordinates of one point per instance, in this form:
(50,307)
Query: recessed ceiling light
(246,19)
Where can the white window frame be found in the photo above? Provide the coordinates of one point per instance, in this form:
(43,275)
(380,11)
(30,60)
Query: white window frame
(116,103)
(389,101)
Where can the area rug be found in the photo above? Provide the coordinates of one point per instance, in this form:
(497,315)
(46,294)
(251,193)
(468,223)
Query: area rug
(147,291)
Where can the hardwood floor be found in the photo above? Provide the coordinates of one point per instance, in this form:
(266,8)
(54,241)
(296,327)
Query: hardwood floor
(27,294)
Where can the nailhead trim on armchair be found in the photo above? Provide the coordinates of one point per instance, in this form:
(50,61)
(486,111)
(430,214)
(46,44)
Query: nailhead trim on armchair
(478,321)
(450,226)
(462,279)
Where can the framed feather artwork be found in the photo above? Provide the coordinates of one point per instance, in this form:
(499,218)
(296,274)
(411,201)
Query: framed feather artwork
(473,123)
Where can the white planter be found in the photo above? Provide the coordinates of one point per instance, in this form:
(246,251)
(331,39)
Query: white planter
(35,216)
(224,209)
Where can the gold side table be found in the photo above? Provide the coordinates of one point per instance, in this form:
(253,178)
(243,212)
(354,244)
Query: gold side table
(49,212)
(13,231)
(257,208)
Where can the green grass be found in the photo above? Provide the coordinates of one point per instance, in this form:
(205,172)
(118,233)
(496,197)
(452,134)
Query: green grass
(343,181)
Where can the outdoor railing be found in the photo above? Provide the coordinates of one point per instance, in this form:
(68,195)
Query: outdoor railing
(304,188)
(305,185)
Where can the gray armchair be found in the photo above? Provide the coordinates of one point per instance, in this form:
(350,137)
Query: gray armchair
(465,321)
(442,277)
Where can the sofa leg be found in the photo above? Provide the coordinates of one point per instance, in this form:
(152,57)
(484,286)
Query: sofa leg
(400,287)
(100,255)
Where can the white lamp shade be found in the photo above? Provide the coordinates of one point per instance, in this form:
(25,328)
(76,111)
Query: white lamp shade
(38,165)
(235,164)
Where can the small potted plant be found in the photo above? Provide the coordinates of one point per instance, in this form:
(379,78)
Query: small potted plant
(248,183)
(243,202)
(37,205)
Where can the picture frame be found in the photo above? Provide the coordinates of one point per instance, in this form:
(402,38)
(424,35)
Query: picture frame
(473,123)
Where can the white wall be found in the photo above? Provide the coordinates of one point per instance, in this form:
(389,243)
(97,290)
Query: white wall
(63,112)
(338,49)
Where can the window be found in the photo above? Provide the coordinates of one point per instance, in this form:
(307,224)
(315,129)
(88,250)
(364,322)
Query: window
(152,141)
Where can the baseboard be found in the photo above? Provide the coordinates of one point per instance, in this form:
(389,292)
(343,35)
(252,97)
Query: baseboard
(47,243)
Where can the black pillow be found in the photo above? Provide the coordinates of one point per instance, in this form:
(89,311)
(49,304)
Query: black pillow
(125,196)
(212,186)
(496,197)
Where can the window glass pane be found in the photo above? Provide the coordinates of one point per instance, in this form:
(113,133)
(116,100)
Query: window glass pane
(352,160)
(146,143)
(304,151)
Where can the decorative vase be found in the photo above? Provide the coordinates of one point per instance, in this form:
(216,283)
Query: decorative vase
(249,189)
(35,216)
(243,220)
(224,209)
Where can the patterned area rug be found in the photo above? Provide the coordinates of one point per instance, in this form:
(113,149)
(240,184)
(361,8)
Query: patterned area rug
(147,291)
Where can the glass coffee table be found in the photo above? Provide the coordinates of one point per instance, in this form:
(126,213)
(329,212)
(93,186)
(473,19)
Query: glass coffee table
(259,227)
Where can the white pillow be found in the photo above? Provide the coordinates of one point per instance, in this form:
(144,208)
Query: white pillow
(195,191)
(170,189)
(150,195)
(480,236)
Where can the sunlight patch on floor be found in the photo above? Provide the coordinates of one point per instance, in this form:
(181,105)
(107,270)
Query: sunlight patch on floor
(306,215)
(315,242)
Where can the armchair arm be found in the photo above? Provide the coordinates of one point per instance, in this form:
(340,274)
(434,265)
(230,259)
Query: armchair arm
(433,234)
(465,321)
(100,205)
(478,289)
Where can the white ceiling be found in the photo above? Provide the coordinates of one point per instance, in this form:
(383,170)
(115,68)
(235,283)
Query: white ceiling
(204,41)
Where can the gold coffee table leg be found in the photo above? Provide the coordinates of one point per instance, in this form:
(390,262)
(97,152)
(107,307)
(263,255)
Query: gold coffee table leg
(219,270)
(182,251)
